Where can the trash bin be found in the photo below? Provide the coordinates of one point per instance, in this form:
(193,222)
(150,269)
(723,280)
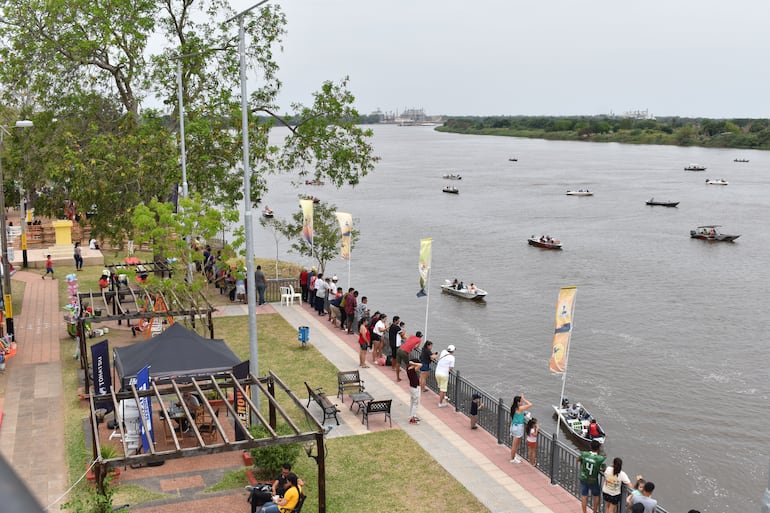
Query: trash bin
(303,334)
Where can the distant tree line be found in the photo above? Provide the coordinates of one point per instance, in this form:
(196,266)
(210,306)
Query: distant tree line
(715,133)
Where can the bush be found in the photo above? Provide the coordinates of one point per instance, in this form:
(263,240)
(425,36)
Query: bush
(269,460)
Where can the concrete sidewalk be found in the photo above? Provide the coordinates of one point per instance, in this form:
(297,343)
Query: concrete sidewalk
(473,457)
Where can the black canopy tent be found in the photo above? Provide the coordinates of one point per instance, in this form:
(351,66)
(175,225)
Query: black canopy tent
(175,353)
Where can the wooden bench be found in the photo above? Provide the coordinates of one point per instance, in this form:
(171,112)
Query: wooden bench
(374,407)
(330,410)
(349,381)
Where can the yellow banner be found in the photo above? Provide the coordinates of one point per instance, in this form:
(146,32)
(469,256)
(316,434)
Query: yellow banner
(346,228)
(426,246)
(307,220)
(565,307)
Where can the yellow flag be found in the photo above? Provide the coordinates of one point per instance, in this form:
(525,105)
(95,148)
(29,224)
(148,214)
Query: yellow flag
(565,307)
(426,246)
(307,220)
(346,228)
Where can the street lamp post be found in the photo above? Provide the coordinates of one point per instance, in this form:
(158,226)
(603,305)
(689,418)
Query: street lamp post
(7,299)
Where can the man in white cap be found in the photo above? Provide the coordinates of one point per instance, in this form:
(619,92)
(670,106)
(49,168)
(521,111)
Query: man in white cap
(444,365)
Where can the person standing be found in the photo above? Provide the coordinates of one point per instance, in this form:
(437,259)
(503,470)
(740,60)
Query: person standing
(378,332)
(320,294)
(48,267)
(444,365)
(78,257)
(591,464)
(303,283)
(518,407)
(414,390)
(261,283)
(427,356)
(476,406)
(311,279)
(532,429)
(364,339)
(393,330)
(614,479)
(349,310)
(645,499)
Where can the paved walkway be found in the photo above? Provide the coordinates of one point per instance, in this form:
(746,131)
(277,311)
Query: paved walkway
(31,435)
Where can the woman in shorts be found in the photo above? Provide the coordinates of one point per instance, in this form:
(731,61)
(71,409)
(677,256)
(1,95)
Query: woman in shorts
(614,479)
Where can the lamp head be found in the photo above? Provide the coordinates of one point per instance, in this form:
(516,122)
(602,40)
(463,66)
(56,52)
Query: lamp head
(24,123)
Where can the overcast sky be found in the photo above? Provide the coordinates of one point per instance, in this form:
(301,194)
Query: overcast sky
(540,57)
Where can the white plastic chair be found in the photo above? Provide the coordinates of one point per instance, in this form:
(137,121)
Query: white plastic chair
(297,295)
(286,295)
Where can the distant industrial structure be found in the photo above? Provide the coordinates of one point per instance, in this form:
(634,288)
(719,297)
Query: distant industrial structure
(407,117)
(634,114)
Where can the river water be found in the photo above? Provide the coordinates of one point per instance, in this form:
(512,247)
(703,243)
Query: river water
(668,349)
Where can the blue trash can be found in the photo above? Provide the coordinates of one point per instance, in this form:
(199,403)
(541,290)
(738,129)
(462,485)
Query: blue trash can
(303,334)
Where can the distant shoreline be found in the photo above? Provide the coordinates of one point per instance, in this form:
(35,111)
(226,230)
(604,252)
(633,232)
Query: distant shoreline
(740,134)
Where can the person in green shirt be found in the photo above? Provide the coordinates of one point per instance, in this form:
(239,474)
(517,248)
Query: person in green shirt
(591,464)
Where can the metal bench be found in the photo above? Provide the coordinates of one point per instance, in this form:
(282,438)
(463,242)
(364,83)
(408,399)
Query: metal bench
(349,381)
(330,410)
(375,407)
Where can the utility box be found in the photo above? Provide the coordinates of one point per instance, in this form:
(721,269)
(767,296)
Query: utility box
(303,335)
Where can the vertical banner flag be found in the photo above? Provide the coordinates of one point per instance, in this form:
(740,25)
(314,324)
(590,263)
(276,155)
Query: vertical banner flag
(346,227)
(564,310)
(145,407)
(424,267)
(102,378)
(242,410)
(307,220)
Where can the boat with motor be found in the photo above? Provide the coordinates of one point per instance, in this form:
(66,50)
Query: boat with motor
(710,232)
(513,159)
(580,192)
(314,182)
(459,289)
(544,241)
(452,176)
(721,181)
(694,167)
(740,160)
(577,420)
(267,213)
(451,190)
(659,203)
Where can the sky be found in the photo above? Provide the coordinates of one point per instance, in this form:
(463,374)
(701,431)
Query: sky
(685,58)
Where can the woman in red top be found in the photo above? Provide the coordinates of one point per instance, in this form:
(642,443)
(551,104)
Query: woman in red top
(364,337)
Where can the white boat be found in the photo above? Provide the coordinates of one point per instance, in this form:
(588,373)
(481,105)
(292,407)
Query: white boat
(453,176)
(267,213)
(580,192)
(694,167)
(709,181)
(578,424)
(451,190)
(460,290)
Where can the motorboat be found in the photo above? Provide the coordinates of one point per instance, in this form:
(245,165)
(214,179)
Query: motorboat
(513,159)
(267,213)
(711,232)
(451,190)
(740,160)
(659,203)
(577,420)
(314,182)
(453,176)
(694,167)
(461,290)
(313,198)
(545,242)
(709,181)
(580,192)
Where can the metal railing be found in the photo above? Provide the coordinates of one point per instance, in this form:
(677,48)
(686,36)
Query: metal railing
(554,459)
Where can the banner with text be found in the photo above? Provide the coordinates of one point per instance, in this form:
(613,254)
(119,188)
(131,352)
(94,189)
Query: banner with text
(560,349)
(346,228)
(307,220)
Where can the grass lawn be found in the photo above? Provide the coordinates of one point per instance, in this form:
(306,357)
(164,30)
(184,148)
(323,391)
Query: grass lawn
(359,469)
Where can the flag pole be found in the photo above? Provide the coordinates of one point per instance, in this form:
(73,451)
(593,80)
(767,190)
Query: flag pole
(427,307)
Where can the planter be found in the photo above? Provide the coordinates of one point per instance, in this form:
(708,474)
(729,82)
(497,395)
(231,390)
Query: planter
(247,460)
(114,473)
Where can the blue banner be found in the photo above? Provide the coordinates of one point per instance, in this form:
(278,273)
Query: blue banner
(100,358)
(145,407)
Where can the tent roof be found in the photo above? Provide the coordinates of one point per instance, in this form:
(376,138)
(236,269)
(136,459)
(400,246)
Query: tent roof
(177,352)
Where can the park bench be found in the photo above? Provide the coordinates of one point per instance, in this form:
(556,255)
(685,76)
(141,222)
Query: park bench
(330,410)
(349,381)
(375,407)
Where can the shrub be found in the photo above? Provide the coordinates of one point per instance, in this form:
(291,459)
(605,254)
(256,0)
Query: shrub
(270,459)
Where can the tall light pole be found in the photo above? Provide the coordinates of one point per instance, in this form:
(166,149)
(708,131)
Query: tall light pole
(7,299)
(251,289)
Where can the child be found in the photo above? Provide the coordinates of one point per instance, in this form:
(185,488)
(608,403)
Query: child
(48,268)
(475,407)
(532,429)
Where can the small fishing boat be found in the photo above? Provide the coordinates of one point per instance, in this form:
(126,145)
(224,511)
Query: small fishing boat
(460,290)
(580,192)
(267,213)
(694,167)
(545,242)
(513,159)
(658,203)
(453,176)
(313,198)
(710,232)
(451,190)
(709,181)
(577,420)
(740,160)
(314,182)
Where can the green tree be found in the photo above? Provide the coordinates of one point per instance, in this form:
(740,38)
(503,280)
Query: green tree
(326,234)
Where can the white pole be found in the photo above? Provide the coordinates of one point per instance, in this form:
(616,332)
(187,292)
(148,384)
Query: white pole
(350,257)
(427,303)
